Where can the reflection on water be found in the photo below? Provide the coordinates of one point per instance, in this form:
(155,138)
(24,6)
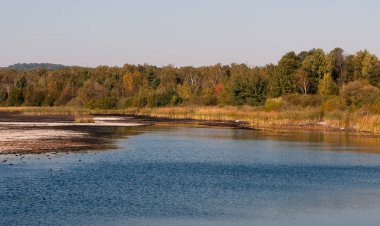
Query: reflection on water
(342,141)
(193,176)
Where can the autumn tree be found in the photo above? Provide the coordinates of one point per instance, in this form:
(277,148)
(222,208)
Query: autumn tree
(327,86)
(303,81)
(132,82)
(34,95)
(308,72)
(357,94)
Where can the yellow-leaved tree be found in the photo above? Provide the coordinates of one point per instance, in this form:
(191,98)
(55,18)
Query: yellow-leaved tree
(132,82)
(327,86)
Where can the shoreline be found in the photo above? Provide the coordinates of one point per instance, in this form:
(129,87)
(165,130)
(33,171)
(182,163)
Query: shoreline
(240,124)
(28,133)
(244,117)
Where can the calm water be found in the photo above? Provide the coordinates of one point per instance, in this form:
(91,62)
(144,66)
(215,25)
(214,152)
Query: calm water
(192,176)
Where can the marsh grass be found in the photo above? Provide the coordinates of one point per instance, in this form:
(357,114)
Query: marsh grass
(68,111)
(256,117)
(84,118)
(253,116)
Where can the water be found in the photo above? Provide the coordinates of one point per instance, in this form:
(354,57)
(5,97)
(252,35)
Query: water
(194,176)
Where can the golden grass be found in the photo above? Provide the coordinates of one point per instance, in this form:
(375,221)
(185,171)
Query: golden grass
(83,117)
(257,117)
(254,116)
(45,110)
(84,120)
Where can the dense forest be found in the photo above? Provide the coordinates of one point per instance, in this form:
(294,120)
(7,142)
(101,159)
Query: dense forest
(33,66)
(334,80)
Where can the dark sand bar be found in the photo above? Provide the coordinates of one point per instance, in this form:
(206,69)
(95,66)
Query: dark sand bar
(26,134)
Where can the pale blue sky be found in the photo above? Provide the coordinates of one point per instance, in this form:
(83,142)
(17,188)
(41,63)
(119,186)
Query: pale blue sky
(181,32)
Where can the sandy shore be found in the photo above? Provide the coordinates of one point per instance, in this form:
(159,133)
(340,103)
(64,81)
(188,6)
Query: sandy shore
(22,134)
(40,140)
(14,134)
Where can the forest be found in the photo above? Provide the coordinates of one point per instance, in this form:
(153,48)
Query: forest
(332,81)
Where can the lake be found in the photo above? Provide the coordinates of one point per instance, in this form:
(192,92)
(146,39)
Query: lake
(198,176)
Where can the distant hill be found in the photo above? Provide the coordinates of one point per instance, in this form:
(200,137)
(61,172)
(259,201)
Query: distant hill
(31,66)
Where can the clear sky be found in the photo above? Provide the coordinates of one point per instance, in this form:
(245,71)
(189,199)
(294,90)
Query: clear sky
(181,32)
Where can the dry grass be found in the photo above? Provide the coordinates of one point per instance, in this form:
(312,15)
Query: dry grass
(255,117)
(362,122)
(252,115)
(45,110)
(84,119)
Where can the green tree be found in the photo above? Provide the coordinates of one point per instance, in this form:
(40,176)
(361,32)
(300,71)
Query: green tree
(336,61)
(16,97)
(246,86)
(365,66)
(284,77)
(315,65)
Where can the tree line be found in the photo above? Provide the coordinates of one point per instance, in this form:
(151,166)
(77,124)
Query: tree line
(309,77)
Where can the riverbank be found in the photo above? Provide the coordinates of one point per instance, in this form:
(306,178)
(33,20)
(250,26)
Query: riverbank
(356,123)
(26,131)
(42,130)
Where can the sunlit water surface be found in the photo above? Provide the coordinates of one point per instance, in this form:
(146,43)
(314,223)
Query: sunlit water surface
(195,176)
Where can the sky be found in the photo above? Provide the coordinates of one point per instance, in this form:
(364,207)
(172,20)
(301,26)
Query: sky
(181,32)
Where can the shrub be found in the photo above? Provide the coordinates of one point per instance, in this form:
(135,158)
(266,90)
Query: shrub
(139,100)
(301,100)
(331,103)
(160,98)
(102,103)
(273,104)
(358,94)
(375,107)
(175,100)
